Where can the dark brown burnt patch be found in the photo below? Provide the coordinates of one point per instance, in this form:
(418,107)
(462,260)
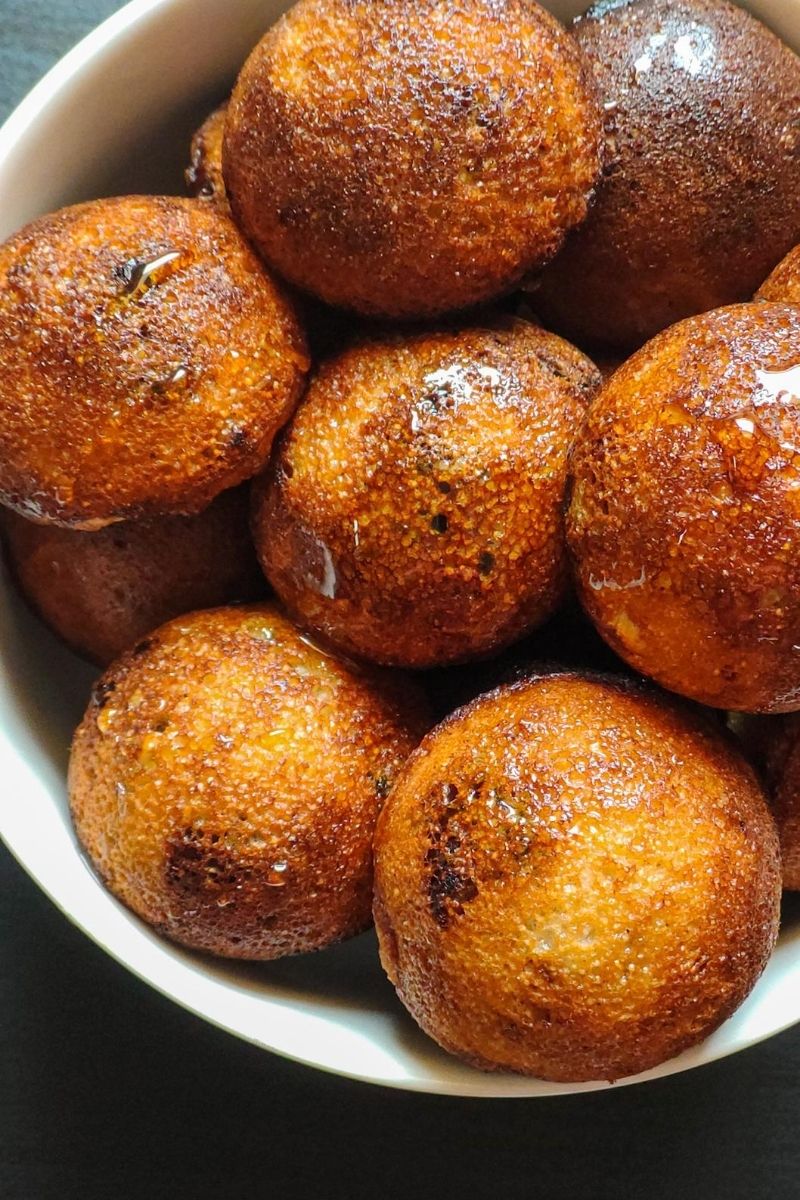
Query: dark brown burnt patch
(449,880)
(199,866)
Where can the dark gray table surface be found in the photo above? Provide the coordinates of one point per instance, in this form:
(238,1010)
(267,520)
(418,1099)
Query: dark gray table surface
(110,1092)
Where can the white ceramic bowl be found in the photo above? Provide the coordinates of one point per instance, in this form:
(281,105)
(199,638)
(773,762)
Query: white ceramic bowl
(115,115)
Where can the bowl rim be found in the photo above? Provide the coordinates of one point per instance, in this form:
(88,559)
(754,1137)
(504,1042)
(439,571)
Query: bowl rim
(32,105)
(485,1086)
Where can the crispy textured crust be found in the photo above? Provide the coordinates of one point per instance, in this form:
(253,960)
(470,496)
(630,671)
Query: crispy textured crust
(575,879)
(701,191)
(130,390)
(413,513)
(684,522)
(408,157)
(226,780)
(103,591)
(783,778)
(204,174)
(784,282)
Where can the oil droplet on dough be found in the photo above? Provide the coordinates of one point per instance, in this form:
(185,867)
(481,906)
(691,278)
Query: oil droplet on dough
(780,385)
(276,874)
(105,718)
(694,52)
(611,585)
(328,583)
(320,572)
(645,60)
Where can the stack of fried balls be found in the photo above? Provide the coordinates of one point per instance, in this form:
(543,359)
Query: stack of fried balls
(502,321)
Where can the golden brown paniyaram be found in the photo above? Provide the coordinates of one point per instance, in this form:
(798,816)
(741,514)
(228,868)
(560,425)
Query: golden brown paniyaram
(146,361)
(701,190)
(782,753)
(226,780)
(684,521)
(575,878)
(204,174)
(413,512)
(102,591)
(407,157)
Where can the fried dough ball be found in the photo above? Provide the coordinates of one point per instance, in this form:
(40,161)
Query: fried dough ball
(701,190)
(413,513)
(403,158)
(575,879)
(783,778)
(784,282)
(684,522)
(226,780)
(103,591)
(146,361)
(204,174)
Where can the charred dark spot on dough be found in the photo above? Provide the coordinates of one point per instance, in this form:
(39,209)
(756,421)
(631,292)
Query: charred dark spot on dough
(143,647)
(382,786)
(101,692)
(123,273)
(585,378)
(292,215)
(238,438)
(448,889)
(137,275)
(198,867)
(553,365)
(449,881)
(546,972)
(512,1030)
